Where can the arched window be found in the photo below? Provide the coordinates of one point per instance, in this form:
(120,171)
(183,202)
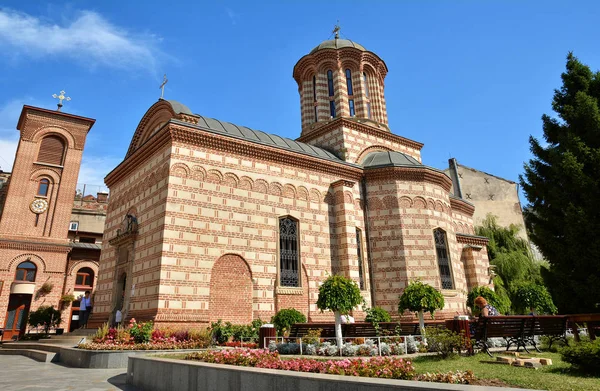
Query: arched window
(85,278)
(366,88)
(361,272)
(289,252)
(441,248)
(52,150)
(315,97)
(26,271)
(350,93)
(43,187)
(331,93)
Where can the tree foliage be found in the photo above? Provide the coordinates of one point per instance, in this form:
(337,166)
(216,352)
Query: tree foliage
(45,316)
(562,184)
(377,315)
(339,294)
(531,295)
(419,296)
(501,303)
(285,318)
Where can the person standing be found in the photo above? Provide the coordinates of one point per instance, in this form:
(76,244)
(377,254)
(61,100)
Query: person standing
(85,309)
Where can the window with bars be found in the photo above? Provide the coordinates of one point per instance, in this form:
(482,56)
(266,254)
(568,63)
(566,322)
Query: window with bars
(85,278)
(52,150)
(289,255)
(443,258)
(366,88)
(26,271)
(331,93)
(361,272)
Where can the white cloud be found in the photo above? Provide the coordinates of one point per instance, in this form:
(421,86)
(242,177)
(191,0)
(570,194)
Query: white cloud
(9,135)
(232,15)
(93,170)
(88,38)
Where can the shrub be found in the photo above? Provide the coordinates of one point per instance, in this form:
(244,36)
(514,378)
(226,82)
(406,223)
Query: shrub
(349,349)
(140,332)
(584,355)
(312,336)
(502,304)
(46,316)
(285,318)
(311,349)
(221,332)
(412,346)
(457,377)
(377,315)
(443,341)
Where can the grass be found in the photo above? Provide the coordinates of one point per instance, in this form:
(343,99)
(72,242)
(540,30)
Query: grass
(557,377)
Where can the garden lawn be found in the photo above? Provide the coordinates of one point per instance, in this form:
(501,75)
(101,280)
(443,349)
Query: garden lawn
(557,377)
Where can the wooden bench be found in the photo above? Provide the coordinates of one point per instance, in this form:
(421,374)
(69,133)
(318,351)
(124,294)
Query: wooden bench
(362,329)
(553,327)
(300,330)
(515,329)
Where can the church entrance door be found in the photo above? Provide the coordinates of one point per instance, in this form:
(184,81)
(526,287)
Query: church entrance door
(16,316)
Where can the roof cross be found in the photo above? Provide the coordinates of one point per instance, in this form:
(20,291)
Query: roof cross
(336,30)
(162,86)
(61,96)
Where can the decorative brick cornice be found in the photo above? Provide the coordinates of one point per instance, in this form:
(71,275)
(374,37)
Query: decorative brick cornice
(124,238)
(289,291)
(361,127)
(195,136)
(462,206)
(34,246)
(472,239)
(413,174)
(344,183)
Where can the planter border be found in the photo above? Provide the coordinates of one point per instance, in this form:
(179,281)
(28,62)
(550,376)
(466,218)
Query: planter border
(165,374)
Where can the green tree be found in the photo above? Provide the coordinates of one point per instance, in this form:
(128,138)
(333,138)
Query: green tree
(512,258)
(419,297)
(531,295)
(45,316)
(501,303)
(284,319)
(562,184)
(339,295)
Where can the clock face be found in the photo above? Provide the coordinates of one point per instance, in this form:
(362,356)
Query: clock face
(38,206)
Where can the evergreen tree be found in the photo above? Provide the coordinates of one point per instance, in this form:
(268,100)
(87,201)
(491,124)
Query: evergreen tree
(562,185)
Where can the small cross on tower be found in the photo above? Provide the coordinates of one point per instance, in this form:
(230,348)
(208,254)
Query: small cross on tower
(61,96)
(336,30)
(162,86)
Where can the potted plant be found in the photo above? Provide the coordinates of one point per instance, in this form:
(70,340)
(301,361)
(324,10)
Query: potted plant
(45,288)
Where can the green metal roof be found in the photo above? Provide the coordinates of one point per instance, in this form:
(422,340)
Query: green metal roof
(338,44)
(256,136)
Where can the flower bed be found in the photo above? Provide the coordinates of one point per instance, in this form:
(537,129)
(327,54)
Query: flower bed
(379,367)
(143,336)
(238,344)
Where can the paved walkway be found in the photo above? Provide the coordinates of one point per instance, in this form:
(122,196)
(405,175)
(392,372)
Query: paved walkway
(22,373)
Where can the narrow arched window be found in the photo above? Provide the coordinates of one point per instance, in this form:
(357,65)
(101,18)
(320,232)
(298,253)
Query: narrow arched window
(350,93)
(52,150)
(289,252)
(85,278)
(26,271)
(361,272)
(443,259)
(43,187)
(315,97)
(366,88)
(349,81)
(331,93)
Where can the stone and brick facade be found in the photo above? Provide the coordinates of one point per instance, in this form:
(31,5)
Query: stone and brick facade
(209,220)
(35,212)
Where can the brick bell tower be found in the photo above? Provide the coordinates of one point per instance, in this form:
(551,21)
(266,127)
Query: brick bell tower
(341,91)
(36,211)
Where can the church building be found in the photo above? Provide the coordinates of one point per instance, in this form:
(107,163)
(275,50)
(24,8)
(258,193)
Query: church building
(210,220)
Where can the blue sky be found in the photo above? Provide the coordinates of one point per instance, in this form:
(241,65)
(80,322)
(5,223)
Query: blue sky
(469,79)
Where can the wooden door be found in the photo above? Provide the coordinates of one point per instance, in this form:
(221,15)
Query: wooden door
(16,316)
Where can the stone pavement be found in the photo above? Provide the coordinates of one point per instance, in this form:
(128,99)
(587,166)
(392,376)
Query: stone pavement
(22,373)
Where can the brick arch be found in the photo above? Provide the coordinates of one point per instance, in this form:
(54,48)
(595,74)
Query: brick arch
(289,191)
(275,189)
(230,179)
(36,259)
(53,130)
(231,290)
(81,264)
(373,148)
(260,186)
(302,193)
(46,172)
(198,172)
(419,203)
(245,183)
(214,176)
(180,170)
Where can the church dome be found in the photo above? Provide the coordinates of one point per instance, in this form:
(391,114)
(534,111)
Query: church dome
(338,44)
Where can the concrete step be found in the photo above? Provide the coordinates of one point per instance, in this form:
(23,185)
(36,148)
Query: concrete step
(82,332)
(37,355)
(32,346)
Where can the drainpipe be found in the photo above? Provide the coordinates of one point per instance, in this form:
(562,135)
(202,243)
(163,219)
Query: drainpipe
(363,184)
